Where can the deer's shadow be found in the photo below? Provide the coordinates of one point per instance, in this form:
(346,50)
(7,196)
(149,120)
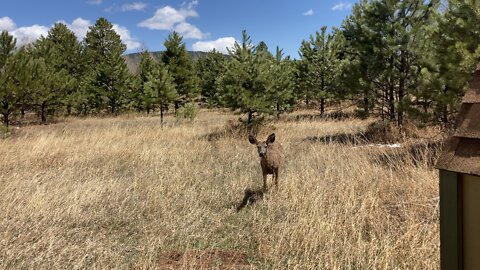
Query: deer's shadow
(251,196)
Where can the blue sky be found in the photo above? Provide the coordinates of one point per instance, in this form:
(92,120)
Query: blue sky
(205,24)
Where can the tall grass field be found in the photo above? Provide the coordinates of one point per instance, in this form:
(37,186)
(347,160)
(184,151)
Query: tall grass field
(127,192)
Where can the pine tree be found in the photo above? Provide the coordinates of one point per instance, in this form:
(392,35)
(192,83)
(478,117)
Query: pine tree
(448,60)
(161,87)
(283,85)
(324,61)
(8,94)
(59,68)
(209,68)
(19,82)
(144,99)
(246,84)
(180,66)
(48,87)
(317,71)
(382,37)
(7,47)
(108,76)
(69,58)
(304,79)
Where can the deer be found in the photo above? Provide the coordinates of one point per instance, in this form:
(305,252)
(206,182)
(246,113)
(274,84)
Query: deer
(271,157)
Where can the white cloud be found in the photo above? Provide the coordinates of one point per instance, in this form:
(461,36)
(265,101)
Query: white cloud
(7,24)
(308,13)
(126,37)
(189,31)
(111,8)
(342,6)
(29,34)
(220,45)
(95,2)
(169,18)
(165,18)
(139,6)
(191,4)
(79,27)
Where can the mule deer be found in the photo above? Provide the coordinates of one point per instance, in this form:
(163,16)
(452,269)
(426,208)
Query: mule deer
(271,157)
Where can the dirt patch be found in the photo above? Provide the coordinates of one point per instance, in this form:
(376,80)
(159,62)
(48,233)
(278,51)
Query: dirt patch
(204,259)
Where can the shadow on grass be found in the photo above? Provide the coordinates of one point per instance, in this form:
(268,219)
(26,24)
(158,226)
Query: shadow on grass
(251,196)
(376,132)
(334,115)
(337,138)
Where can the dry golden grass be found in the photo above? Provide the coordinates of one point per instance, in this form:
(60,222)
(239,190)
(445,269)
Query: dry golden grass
(128,193)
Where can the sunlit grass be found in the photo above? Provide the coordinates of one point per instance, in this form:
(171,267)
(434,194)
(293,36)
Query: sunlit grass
(122,192)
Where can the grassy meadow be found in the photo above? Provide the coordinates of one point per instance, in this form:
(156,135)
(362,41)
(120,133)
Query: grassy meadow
(127,193)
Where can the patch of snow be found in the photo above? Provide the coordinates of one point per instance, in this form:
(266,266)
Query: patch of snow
(378,145)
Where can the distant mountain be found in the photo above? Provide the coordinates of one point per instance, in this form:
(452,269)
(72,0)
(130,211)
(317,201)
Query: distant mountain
(133,59)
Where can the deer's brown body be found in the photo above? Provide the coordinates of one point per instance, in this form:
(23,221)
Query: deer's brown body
(271,157)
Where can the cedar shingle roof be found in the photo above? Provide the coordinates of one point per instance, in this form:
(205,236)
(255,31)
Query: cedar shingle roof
(461,152)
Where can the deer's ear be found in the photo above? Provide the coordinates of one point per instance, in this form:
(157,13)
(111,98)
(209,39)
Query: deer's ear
(271,138)
(252,139)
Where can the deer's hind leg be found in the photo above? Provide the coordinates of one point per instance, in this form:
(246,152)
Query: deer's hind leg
(275,177)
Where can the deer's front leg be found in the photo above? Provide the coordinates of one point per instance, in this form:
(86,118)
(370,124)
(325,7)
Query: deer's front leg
(264,181)
(275,177)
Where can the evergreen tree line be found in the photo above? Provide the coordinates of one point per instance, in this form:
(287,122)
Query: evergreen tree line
(59,75)
(397,60)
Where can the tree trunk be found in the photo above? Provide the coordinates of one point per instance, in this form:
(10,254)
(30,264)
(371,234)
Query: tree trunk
(382,108)
(401,86)
(444,110)
(391,101)
(391,92)
(322,100)
(177,106)
(366,104)
(6,113)
(401,94)
(250,118)
(112,108)
(43,112)
(6,119)
(161,113)
(322,106)
(445,117)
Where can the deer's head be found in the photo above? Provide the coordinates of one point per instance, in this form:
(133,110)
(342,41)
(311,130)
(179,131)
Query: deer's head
(262,147)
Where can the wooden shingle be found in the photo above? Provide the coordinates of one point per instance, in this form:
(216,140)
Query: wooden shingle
(473,93)
(461,152)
